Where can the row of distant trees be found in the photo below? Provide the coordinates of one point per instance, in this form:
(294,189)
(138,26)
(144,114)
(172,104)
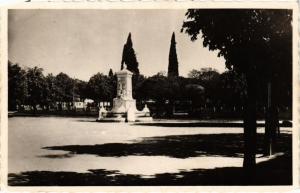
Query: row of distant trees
(32,87)
(205,87)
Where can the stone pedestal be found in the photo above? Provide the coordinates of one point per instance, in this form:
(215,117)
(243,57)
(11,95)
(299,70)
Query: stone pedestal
(124,106)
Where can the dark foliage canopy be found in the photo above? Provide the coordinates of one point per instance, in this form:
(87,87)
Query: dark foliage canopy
(110,73)
(17,88)
(173,61)
(256,43)
(247,38)
(101,87)
(129,57)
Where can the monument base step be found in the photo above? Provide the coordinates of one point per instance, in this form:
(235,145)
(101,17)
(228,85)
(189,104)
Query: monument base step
(112,119)
(144,119)
(140,119)
(120,117)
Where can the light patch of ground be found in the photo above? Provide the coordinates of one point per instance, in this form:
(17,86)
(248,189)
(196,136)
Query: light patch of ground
(28,135)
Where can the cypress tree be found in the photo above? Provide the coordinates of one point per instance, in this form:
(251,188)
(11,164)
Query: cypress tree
(129,57)
(173,62)
(110,73)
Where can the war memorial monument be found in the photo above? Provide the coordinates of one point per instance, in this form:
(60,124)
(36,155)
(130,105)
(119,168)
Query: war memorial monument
(124,106)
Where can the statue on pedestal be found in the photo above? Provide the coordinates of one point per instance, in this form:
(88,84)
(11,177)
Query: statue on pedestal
(124,106)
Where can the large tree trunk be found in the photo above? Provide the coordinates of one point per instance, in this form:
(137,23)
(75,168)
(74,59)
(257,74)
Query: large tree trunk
(171,108)
(272,120)
(268,144)
(34,108)
(250,128)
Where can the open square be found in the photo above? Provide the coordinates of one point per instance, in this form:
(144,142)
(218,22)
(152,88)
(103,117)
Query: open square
(67,152)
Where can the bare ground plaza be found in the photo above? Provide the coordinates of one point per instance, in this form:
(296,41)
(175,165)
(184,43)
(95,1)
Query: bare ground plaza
(64,151)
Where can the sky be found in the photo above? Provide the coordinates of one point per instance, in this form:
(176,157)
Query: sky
(82,43)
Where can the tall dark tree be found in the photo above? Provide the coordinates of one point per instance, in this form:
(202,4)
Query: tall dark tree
(110,73)
(65,88)
(252,42)
(160,88)
(173,62)
(129,57)
(112,77)
(35,86)
(208,78)
(17,88)
(231,89)
(50,91)
(100,88)
(80,89)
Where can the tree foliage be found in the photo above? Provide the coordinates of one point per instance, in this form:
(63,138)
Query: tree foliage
(173,61)
(231,89)
(110,73)
(101,88)
(129,57)
(50,90)
(81,89)
(254,42)
(35,86)
(64,88)
(247,39)
(17,88)
(159,88)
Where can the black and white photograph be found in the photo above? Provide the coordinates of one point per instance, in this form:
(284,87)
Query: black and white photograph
(151,97)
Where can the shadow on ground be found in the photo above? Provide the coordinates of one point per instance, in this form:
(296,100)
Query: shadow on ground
(176,146)
(208,123)
(277,171)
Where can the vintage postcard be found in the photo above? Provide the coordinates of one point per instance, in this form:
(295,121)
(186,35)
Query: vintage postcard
(156,96)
